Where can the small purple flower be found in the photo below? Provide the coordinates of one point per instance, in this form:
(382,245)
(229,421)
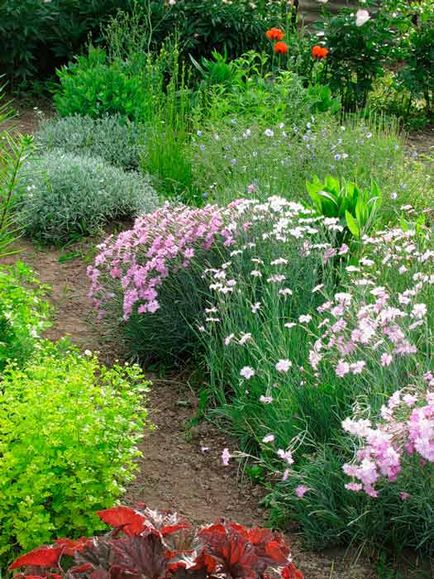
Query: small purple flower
(301,490)
(226,456)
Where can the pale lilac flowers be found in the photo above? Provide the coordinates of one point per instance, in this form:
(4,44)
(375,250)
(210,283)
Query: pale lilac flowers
(137,262)
(283,366)
(247,372)
(226,456)
(405,430)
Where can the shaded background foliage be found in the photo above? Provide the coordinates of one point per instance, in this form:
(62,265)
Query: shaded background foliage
(37,36)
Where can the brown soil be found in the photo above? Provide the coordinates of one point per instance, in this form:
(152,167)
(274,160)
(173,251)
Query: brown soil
(421,144)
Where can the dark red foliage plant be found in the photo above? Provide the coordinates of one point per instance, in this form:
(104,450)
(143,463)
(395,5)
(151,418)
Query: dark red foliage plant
(147,544)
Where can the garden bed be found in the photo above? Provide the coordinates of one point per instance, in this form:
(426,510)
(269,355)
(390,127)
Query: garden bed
(181,467)
(216,293)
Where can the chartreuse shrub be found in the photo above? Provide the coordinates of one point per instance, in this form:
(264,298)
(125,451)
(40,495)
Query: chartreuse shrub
(24,314)
(64,196)
(68,434)
(110,137)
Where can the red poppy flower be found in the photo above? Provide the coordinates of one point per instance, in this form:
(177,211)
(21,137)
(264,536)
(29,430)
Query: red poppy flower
(275,34)
(281,48)
(319,52)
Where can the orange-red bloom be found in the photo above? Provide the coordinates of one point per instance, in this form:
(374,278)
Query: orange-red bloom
(280,48)
(275,34)
(319,51)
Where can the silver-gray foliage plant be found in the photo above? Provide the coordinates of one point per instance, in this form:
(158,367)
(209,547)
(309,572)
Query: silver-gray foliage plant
(113,139)
(64,196)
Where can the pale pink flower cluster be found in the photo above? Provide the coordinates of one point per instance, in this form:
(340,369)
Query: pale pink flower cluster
(139,260)
(368,321)
(407,427)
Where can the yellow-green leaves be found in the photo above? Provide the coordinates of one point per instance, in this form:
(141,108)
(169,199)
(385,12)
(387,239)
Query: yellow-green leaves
(68,435)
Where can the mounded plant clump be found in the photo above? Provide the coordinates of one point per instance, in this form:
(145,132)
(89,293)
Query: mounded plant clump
(65,196)
(302,320)
(146,543)
(112,138)
(69,429)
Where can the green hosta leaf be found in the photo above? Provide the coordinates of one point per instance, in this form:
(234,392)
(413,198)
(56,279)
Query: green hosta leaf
(352,224)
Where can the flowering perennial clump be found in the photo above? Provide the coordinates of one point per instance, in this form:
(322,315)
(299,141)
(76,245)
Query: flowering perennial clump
(358,327)
(407,428)
(368,325)
(140,259)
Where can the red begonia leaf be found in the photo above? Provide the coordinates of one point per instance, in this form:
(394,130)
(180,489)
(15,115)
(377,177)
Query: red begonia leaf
(46,556)
(206,562)
(83,568)
(170,529)
(277,552)
(131,522)
(70,547)
(100,574)
(258,535)
(172,567)
(291,572)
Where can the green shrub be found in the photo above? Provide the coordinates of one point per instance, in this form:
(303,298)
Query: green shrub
(258,96)
(95,87)
(389,96)
(23,313)
(68,434)
(417,73)
(37,35)
(110,138)
(359,51)
(201,25)
(64,196)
